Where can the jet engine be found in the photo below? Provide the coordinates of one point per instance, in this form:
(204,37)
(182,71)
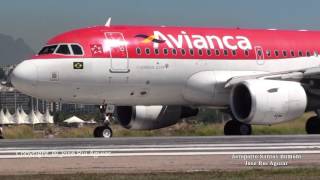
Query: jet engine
(152,117)
(266,102)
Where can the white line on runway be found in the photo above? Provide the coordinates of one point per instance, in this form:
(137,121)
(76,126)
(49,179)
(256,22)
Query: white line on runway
(170,146)
(166,149)
(161,154)
(187,151)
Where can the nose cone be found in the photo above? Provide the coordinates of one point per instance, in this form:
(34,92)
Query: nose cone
(24,77)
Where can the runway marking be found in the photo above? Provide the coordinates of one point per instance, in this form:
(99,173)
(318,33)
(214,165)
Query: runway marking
(171,146)
(158,154)
(166,149)
(160,150)
(106,148)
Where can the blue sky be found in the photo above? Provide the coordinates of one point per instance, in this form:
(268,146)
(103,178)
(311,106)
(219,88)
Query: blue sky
(37,20)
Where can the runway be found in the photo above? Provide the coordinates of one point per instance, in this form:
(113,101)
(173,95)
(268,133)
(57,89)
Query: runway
(153,154)
(176,146)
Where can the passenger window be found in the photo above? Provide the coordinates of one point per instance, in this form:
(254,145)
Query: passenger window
(308,53)
(48,50)
(174,51)
(208,52)
(234,52)
(259,52)
(300,53)
(63,49)
(268,52)
(138,50)
(246,52)
(77,50)
(191,52)
(316,53)
(200,52)
(284,53)
(147,51)
(156,51)
(165,51)
(183,52)
(225,52)
(276,52)
(292,53)
(217,52)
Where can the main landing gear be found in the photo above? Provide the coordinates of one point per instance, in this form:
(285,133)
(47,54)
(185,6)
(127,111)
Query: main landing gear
(313,125)
(104,131)
(235,127)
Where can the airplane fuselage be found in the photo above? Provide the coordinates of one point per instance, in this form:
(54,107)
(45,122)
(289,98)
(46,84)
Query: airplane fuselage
(125,65)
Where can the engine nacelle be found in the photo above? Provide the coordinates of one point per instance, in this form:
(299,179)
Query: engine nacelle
(152,117)
(267,102)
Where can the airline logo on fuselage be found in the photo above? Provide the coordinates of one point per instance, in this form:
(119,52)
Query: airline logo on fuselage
(147,39)
(197,41)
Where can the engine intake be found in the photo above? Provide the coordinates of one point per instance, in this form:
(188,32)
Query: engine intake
(267,101)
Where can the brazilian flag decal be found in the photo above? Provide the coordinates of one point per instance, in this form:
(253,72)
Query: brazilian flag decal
(78,65)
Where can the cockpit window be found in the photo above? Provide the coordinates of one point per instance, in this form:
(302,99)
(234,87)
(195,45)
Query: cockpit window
(48,50)
(77,50)
(63,49)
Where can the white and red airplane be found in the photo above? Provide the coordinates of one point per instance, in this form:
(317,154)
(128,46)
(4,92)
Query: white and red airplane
(156,76)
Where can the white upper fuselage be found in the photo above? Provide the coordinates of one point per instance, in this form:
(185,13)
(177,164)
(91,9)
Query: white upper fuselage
(149,82)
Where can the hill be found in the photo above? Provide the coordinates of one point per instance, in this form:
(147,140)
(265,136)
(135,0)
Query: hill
(13,51)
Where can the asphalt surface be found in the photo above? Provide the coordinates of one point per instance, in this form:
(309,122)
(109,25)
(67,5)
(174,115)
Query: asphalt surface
(154,154)
(85,143)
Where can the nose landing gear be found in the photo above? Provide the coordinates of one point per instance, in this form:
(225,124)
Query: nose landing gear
(102,132)
(105,131)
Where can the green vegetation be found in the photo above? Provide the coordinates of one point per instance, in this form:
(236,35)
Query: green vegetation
(83,132)
(291,127)
(186,128)
(21,132)
(255,174)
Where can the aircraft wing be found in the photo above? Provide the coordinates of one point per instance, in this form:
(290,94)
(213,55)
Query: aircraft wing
(295,75)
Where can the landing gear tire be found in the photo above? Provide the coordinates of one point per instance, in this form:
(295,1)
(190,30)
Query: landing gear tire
(234,127)
(313,125)
(102,132)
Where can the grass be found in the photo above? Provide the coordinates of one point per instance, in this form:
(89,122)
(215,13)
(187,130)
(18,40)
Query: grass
(255,174)
(83,132)
(21,132)
(291,127)
(180,129)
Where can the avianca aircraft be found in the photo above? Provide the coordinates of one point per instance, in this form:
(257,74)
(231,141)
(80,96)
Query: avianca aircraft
(155,76)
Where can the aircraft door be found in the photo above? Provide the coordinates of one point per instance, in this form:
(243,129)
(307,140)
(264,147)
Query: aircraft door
(118,52)
(259,55)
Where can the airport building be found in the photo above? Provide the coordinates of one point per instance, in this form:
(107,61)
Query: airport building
(11,99)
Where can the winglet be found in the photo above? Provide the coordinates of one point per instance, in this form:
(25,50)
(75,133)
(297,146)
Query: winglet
(108,23)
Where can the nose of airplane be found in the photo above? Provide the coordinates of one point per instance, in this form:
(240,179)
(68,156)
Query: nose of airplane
(25,76)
